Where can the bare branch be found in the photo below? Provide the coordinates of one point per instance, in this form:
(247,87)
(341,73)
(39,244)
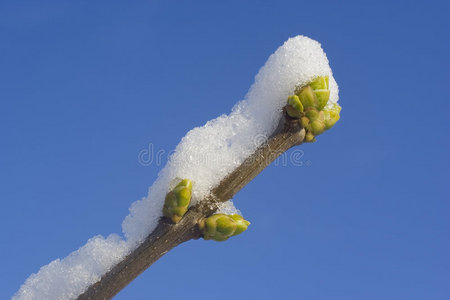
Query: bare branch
(167,236)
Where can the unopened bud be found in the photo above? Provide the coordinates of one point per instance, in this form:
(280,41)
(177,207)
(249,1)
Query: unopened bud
(177,201)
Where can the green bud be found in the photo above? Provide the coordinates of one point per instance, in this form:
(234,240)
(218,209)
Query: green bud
(308,105)
(309,137)
(317,127)
(319,83)
(177,201)
(294,107)
(307,97)
(331,115)
(312,114)
(241,224)
(184,196)
(304,122)
(220,227)
(322,98)
(225,227)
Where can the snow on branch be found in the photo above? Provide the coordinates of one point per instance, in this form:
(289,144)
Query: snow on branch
(99,269)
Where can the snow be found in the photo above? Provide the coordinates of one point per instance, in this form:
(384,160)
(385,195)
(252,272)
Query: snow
(67,278)
(205,155)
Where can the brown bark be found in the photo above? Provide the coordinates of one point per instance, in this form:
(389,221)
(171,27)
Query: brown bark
(167,236)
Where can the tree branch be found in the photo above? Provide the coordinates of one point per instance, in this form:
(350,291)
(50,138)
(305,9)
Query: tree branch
(167,236)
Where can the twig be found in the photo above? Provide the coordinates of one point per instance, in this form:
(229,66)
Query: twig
(167,236)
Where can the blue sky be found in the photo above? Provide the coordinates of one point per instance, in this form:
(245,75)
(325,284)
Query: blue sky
(86,85)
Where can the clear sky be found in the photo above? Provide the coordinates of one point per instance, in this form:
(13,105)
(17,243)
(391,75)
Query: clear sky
(85,86)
